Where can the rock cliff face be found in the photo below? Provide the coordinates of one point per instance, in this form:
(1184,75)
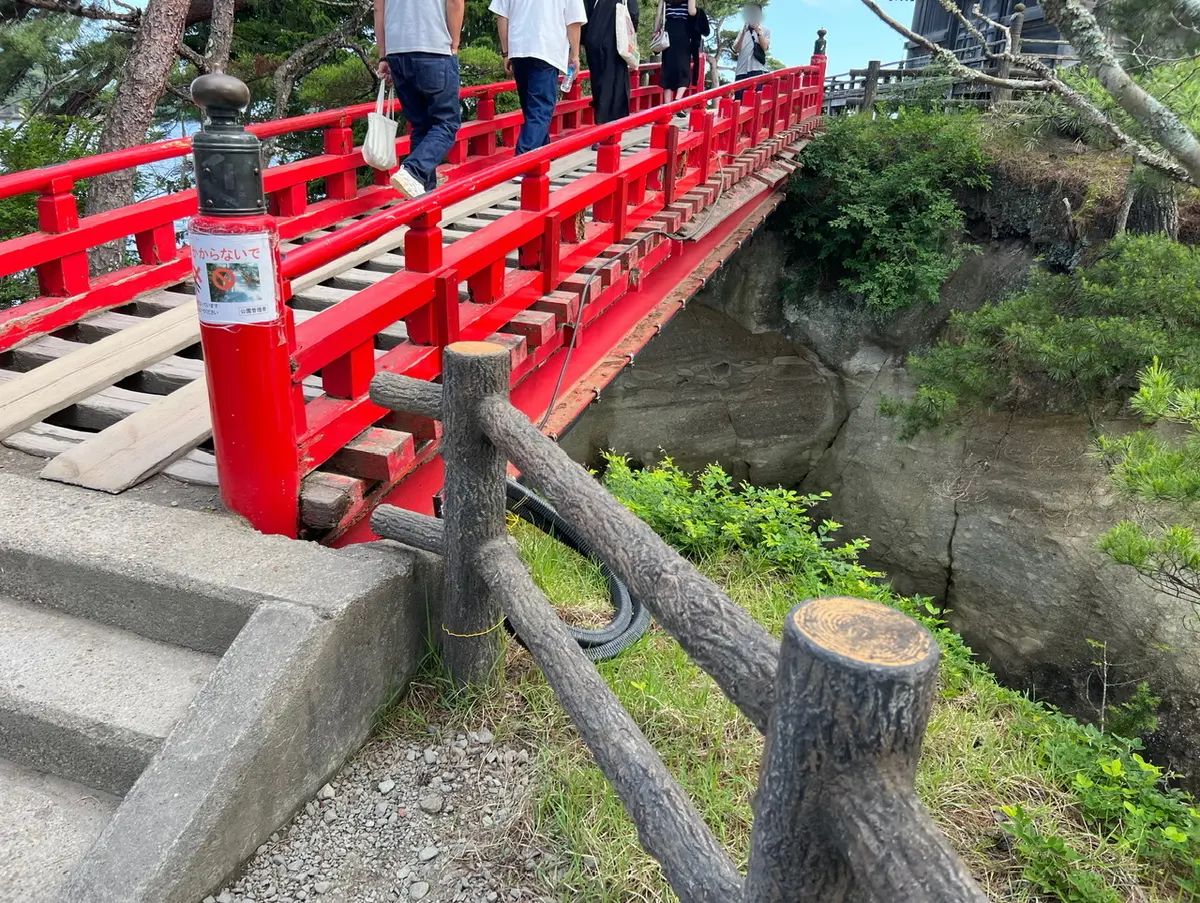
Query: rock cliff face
(997,521)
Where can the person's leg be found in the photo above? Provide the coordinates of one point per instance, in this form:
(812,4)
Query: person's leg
(413,102)
(520,67)
(436,75)
(431,90)
(668,95)
(540,98)
(738,95)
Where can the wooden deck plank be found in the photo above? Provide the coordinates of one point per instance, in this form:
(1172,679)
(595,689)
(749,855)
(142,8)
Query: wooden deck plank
(58,383)
(139,446)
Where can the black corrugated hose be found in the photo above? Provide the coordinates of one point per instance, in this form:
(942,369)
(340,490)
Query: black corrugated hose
(630,618)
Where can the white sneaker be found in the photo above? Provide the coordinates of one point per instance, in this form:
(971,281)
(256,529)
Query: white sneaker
(406,183)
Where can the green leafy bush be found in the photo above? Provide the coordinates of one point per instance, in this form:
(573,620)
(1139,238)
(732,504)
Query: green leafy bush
(1067,341)
(40,141)
(876,203)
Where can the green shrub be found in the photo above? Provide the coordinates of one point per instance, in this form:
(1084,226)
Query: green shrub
(1067,341)
(876,202)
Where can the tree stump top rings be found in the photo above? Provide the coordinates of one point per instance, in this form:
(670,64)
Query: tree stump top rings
(476,348)
(866,633)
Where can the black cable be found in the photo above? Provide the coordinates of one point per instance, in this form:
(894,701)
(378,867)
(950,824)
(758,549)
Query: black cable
(630,618)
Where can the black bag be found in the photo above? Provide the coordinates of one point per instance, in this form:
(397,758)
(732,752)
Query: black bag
(760,55)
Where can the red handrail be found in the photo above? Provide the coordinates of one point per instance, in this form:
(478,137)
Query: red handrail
(321,251)
(115,161)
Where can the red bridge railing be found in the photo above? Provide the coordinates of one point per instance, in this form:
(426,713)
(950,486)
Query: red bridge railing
(338,344)
(58,251)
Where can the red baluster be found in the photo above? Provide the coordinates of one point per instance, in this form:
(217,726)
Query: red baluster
(423,254)
(58,211)
(339,140)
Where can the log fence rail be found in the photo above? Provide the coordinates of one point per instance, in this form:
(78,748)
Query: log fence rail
(843,702)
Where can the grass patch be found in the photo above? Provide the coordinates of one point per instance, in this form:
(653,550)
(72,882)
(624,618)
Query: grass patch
(1001,775)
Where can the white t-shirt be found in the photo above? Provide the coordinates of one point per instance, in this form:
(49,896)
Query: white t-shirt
(416,26)
(538,28)
(746,62)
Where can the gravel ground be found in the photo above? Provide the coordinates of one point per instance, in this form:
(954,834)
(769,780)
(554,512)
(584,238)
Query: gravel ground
(443,823)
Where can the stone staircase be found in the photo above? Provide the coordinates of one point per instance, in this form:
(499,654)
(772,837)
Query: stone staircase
(83,709)
(173,685)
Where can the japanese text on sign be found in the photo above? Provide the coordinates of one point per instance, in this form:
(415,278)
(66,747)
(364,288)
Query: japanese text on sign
(235,278)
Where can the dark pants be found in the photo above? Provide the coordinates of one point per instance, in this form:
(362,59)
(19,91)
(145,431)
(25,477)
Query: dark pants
(537,85)
(427,85)
(742,78)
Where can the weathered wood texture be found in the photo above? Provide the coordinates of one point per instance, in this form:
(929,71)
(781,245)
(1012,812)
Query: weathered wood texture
(717,633)
(417,530)
(474,507)
(669,827)
(403,393)
(836,810)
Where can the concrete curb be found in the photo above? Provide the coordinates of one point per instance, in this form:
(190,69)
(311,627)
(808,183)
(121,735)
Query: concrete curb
(296,694)
(168,574)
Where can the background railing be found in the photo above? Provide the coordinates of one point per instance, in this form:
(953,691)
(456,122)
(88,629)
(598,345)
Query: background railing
(843,702)
(897,82)
(59,251)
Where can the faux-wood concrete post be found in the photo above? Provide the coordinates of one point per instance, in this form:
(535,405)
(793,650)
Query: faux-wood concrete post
(474,508)
(870,86)
(836,808)
(1005,69)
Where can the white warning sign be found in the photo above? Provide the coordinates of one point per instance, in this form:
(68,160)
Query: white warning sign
(235,278)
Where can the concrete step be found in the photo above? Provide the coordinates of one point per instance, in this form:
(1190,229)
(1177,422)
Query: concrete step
(46,825)
(88,702)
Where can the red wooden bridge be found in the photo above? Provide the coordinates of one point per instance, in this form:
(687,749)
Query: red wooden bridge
(573,256)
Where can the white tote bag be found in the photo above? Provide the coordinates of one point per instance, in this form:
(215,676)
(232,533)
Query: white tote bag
(379,150)
(660,40)
(627,42)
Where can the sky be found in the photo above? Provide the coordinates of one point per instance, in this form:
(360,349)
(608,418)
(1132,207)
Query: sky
(856,35)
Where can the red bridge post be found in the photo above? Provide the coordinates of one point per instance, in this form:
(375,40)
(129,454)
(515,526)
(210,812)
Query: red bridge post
(245,328)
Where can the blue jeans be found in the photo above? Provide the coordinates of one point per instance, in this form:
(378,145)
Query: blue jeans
(537,85)
(427,85)
(741,78)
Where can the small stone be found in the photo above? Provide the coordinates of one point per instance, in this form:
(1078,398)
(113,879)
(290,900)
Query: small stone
(294,866)
(381,809)
(486,736)
(225,897)
(210,899)
(419,890)
(493,897)
(428,853)
(403,873)
(321,887)
(261,850)
(330,816)
(431,756)
(411,755)
(523,757)
(326,793)
(386,787)
(433,803)
(274,838)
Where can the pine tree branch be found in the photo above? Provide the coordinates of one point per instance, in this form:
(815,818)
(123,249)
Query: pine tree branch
(88,11)
(1049,82)
(1081,28)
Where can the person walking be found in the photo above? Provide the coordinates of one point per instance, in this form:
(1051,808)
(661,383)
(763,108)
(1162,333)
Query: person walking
(699,28)
(418,50)
(610,73)
(539,40)
(677,58)
(751,45)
